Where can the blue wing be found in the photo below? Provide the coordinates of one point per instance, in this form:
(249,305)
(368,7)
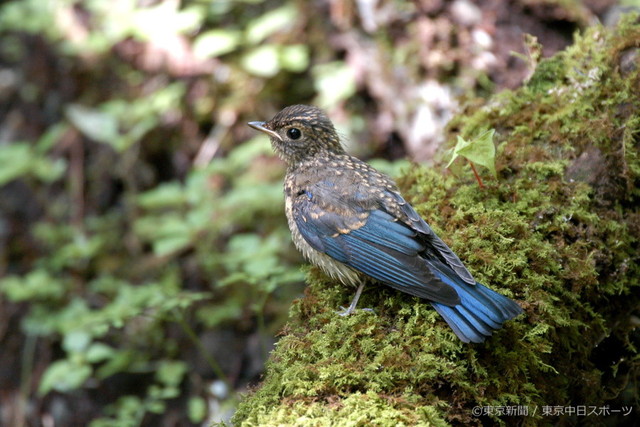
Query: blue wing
(407,256)
(374,243)
(436,246)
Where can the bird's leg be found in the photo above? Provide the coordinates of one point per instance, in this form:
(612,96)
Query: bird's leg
(354,302)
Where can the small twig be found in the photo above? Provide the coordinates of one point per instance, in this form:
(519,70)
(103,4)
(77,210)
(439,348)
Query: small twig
(475,172)
(209,147)
(211,144)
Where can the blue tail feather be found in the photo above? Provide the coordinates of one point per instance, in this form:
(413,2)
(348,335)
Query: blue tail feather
(480,312)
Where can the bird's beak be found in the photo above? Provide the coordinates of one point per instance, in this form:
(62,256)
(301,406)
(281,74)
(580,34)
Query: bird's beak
(261,127)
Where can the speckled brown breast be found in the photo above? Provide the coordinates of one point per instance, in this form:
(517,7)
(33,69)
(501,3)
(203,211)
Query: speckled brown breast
(353,181)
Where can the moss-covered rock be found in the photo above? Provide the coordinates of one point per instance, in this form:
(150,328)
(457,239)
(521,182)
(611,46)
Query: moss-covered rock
(558,231)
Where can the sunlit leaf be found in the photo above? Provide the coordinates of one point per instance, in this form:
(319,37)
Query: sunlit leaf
(63,376)
(294,58)
(262,61)
(481,151)
(334,82)
(163,19)
(216,42)
(270,23)
(99,352)
(76,341)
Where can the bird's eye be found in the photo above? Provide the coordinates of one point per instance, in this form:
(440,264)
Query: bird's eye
(294,133)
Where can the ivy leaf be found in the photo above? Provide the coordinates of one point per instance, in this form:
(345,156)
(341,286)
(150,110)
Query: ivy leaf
(480,151)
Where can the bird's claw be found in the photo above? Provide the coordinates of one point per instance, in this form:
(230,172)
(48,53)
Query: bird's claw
(344,311)
(349,310)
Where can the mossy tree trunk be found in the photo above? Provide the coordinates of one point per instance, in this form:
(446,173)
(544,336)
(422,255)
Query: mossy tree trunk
(558,231)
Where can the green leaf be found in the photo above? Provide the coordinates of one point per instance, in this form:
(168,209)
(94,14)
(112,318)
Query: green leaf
(120,361)
(161,20)
(216,43)
(171,372)
(95,124)
(169,233)
(334,82)
(99,352)
(156,393)
(36,285)
(294,58)
(171,194)
(51,137)
(21,159)
(76,341)
(262,61)
(63,376)
(197,409)
(49,170)
(170,244)
(15,161)
(270,23)
(481,151)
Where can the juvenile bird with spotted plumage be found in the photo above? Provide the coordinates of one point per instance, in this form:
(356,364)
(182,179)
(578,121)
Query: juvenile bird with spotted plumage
(352,222)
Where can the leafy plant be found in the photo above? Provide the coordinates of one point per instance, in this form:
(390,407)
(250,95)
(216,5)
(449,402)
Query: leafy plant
(480,150)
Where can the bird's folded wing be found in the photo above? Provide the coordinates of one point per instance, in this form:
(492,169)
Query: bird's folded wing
(371,242)
(440,248)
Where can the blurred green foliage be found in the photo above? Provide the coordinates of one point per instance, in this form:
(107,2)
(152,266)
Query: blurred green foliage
(121,254)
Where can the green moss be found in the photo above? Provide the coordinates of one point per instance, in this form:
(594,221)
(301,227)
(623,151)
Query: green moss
(357,409)
(558,232)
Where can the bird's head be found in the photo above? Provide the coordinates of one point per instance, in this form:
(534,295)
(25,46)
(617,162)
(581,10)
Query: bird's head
(300,132)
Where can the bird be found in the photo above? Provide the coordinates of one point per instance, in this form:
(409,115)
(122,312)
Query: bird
(352,222)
